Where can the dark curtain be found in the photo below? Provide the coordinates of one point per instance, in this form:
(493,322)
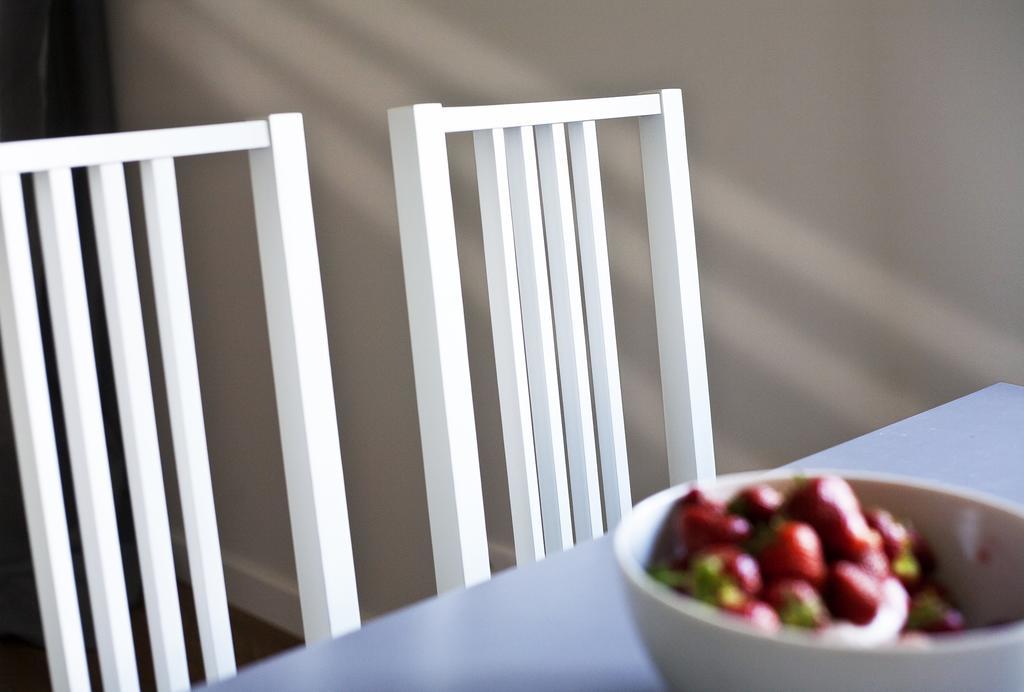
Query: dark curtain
(55,81)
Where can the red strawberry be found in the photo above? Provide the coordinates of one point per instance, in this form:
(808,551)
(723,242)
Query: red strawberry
(700,526)
(792,551)
(853,594)
(930,611)
(696,496)
(922,552)
(727,564)
(875,562)
(951,621)
(797,603)
(757,503)
(895,537)
(757,613)
(829,505)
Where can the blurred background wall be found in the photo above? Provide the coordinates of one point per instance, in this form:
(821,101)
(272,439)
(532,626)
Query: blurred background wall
(857,179)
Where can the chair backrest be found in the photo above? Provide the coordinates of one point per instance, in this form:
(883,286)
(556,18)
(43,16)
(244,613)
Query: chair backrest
(524,169)
(305,398)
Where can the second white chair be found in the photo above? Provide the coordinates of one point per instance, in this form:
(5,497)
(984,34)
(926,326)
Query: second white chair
(524,169)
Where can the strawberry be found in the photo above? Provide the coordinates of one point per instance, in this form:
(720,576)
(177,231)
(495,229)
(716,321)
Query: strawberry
(922,552)
(757,503)
(757,613)
(797,603)
(853,593)
(895,537)
(696,496)
(829,505)
(719,565)
(792,550)
(701,525)
(930,611)
(951,621)
(876,563)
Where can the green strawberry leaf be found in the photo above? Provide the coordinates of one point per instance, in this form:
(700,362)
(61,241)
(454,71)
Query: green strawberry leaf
(738,505)
(729,595)
(707,578)
(762,538)
(926,609)
(800,613)
(672,578)
(906,567)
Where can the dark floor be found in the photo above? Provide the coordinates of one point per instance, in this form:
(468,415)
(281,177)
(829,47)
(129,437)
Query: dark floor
(23,668)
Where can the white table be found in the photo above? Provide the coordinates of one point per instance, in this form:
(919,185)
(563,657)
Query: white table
(563,624)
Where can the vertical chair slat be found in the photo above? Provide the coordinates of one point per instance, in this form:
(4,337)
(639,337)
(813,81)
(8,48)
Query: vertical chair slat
(538,332)
(185,406)
(677,292)
(90,466)
(597,289)
(553,161)
(509,350)
(138,422)
(440,356)
(302,380)
(36,447)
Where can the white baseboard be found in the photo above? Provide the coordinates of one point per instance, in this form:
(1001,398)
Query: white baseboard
(271,597)
(252,588)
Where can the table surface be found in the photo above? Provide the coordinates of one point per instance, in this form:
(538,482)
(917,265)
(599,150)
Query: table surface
(563,623)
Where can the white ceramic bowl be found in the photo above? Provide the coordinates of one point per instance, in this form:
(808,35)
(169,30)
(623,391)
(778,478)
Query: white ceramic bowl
(979,543)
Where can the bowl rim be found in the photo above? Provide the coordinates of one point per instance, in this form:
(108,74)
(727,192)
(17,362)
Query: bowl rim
(635,573)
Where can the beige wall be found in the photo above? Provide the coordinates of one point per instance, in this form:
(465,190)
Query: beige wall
(856,173)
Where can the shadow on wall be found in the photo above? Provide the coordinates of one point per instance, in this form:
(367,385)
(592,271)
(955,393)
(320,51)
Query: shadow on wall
(806,308)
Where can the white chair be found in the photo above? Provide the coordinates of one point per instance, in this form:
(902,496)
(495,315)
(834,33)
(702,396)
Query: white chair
(530,253)
(305,399)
